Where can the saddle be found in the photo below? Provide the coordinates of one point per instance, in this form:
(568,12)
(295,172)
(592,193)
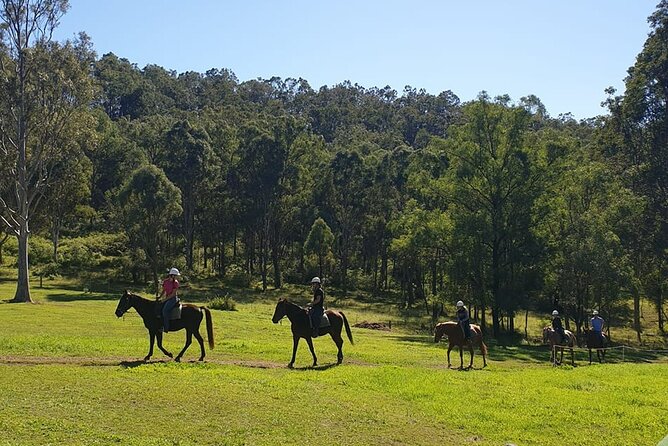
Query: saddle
(324,321)
(174,314)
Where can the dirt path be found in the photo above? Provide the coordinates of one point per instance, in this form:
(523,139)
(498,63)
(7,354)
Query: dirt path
(99,361)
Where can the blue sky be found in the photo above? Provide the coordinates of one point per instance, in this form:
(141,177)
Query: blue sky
(566,52)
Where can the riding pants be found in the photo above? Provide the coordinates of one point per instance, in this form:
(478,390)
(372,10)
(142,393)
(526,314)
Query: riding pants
(166,310)
(316,316)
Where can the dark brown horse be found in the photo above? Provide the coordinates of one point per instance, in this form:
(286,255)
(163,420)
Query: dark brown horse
(596,341)
(191,317)
(301,328)
(455,335)
(553,338)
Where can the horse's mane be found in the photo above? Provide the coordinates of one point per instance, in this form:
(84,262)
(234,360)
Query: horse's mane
(136,296)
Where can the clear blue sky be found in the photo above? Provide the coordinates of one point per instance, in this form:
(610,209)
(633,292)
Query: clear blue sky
(566,52)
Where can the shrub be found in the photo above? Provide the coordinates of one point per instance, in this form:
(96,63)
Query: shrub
(237,277)
(224,303)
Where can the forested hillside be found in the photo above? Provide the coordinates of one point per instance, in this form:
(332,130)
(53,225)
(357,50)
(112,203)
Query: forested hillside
(418,197)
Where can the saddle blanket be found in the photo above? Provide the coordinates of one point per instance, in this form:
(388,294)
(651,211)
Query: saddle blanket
(176,313)
(324,321)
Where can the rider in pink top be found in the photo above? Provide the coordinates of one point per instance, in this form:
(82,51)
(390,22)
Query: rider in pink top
(168,295)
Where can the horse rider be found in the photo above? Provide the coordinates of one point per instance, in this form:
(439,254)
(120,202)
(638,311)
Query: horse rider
(597,323)
(168,296)
(317,306)
(463,320)
(558,326)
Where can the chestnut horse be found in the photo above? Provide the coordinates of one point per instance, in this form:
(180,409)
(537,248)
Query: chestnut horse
(554,339)
(191,317)
(301,328)
(597,341)
(455,335)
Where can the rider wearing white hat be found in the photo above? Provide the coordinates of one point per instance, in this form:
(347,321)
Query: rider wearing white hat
(168,296)
(557,325)
(463,319)
(597,324)
(317,306)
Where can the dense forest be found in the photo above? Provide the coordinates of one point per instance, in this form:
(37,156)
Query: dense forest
(411,196)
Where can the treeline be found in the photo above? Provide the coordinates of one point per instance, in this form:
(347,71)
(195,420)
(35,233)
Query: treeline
(492,201)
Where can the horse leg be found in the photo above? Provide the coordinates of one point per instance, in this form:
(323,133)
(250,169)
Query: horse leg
(309,341)
(151,342)
(449,350)
(572,357)
(461,358)
(158,336)
(198,336)
(599,360)
(338,340)
(189,340)
(295,343)
(471,350)
(482,351)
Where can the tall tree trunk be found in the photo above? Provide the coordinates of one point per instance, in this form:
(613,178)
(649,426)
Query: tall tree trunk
(55,238)
(496,329)
(23,284)
(636,311)
(2,243)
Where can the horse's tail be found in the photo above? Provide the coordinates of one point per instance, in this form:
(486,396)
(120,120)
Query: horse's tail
(209,327)
(348,332)
(483,347)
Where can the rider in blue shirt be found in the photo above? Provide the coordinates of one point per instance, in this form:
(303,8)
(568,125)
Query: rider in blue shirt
(597,324)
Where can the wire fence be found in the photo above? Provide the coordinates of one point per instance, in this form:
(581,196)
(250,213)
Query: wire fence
(612,354)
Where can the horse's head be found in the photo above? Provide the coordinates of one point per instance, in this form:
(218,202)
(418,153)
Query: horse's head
(124,303)
(280,311)
(438,332)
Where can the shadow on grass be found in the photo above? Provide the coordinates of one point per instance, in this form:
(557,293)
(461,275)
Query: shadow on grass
(318,367)
(132,364)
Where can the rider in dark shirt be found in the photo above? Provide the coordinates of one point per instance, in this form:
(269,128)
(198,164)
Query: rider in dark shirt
(317,305)
(463,319)
(557,325)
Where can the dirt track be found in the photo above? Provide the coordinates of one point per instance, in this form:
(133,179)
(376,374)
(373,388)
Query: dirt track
(125,362)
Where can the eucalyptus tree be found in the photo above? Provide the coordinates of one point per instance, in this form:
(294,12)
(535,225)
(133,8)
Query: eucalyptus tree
(188,161)
(589,211)
(319,242)
(149,202)
(45,89)
(636,142)
(497,170)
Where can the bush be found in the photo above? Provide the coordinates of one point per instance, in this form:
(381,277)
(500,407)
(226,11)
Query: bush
(237,277)
(224,303)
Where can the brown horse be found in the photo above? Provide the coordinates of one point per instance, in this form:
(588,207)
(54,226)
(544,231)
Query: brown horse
(191,317)
(596,341)
(301,328)
(455,335)
(554,339)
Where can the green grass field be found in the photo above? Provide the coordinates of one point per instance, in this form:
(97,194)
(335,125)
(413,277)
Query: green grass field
(70,373)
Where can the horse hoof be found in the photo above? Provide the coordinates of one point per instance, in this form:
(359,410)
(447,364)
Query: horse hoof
(146,358)
(177,359)
(291,366)
(169,355)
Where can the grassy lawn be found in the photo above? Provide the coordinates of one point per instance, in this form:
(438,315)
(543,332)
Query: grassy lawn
(70,374)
